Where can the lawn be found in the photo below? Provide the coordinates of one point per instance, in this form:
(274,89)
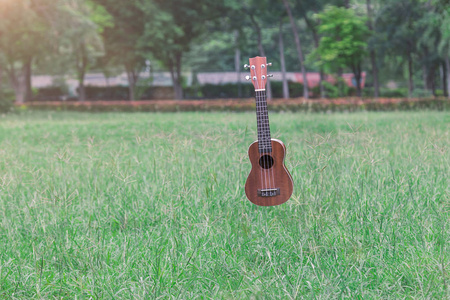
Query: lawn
(148,206)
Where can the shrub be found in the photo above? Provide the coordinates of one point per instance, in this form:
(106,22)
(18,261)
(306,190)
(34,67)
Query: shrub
(52,93)
(295,89)
(107,93)
(331,90)
(213,91)
(394,93)
(335,105)
(6,101)
(230,90)
(421,93)
(96,93)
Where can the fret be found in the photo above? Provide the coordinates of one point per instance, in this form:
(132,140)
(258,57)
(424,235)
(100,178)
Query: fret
(262,119)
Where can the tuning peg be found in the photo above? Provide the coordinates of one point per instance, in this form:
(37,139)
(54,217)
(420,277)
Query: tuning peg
(246,66)
(269,64)
(247,77)
(269,75)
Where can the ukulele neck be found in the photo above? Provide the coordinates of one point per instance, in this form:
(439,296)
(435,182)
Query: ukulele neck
(262,119)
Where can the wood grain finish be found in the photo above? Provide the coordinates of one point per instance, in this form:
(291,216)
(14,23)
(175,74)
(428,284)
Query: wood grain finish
(275,177)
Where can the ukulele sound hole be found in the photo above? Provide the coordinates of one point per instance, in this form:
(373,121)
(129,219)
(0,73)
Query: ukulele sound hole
(266,161)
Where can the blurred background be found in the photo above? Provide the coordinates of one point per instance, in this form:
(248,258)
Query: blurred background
(86,50)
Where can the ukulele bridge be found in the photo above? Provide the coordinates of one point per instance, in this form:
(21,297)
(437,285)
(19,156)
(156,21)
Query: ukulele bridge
(269,192)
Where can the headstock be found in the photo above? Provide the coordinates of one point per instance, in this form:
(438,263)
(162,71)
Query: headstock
(258,72)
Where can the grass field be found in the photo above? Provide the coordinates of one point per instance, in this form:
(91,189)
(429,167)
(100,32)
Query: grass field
(150,206)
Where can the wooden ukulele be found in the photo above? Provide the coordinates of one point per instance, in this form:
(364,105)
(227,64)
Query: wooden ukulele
(269,182)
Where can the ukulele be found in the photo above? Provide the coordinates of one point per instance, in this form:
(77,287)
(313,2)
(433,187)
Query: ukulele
(269,182)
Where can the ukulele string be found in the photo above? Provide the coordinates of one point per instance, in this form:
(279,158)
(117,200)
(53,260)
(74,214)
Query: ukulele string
(258,129)
(264,132)
(264,161)
(271,161)
(268,162)
(271,172)
(261,131)
(265,138)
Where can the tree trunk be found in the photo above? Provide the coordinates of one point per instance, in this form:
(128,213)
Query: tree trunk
(268,85)
(357,74)
(410,76)
(444,79)
(179,95)
(262,53)
(19,83)
(81,87)
(321,85)
(339,82)
(425,77)
(431,79)
(131,86)
(347,4)
(132,77)
(283,62)
(299,48)
(447,66)
(237,64)
(312,27)
(376,87)
(82,65)
(29,91)
(175,73)
(81,90)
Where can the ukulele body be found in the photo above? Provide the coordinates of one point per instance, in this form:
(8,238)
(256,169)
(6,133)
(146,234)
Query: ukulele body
(269,182)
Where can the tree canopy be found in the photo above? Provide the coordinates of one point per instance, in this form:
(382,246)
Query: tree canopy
(343,41)
(74,37)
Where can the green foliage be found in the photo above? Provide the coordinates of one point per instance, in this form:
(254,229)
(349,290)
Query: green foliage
(27,29)
(53,93)
(6,100)
(122,39)
(213,91)
(331,90)
(170,31)
(344,39)
(99,15)
(398,27)
(62,37)
(387,93)
(82,25)
(24,29)
(295,89)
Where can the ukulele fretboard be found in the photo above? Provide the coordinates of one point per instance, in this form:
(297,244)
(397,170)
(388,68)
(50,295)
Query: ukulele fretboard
(262,119)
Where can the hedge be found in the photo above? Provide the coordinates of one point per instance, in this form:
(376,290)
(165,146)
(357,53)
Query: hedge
(294,105)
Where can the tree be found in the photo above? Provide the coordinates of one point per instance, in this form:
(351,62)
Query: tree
(439,19)
(122,40)
(429,58)
(259,13)
(299,48)
(81,36)
(398,32)
(307,9)
(444,45)
(343,42)
(283,61)
(172,27)
(370,24)
(22,41)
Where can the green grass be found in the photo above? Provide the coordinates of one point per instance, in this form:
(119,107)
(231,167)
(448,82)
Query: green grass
(151,206)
